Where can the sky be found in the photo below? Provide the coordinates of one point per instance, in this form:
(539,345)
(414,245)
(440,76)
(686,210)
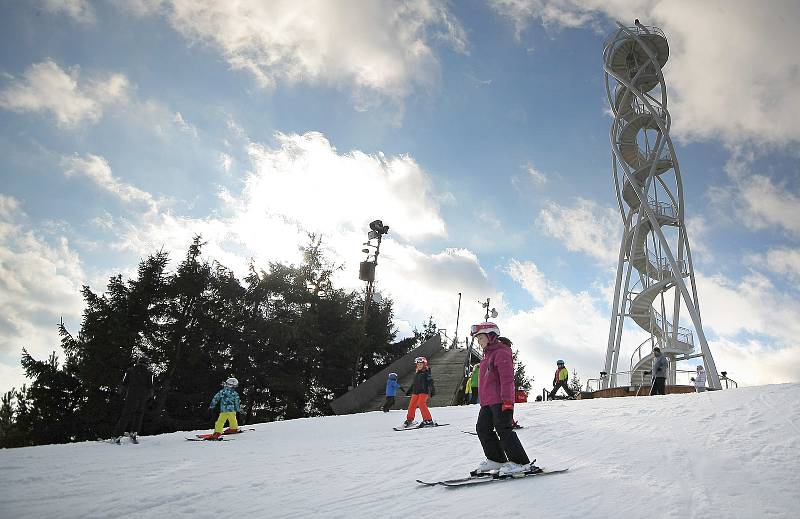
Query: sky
(478,131)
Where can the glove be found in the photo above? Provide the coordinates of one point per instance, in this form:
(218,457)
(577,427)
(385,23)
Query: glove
(508,405)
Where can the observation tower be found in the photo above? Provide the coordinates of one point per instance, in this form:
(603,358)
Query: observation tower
(655,285)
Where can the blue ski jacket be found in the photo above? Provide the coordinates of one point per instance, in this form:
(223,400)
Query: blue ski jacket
(227,399)
(391,387)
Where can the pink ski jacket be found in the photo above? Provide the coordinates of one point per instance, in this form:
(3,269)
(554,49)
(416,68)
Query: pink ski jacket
(496,374)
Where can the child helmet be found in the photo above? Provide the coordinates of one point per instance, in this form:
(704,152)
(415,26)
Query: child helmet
(487,328)
(393,376)
(231,382)
(422,360)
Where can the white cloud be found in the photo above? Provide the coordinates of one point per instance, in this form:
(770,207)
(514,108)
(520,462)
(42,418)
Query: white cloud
(79,10)
(47,88)
(380,49)
(755,200)
(586,227)
(225,162)
(720,84)
(533,280)
(753,362)
(40,283)
(184,126)
(302,184)
(488,220)
(307,180)
(783,261)
(98,170)
(750,305)
(535,175)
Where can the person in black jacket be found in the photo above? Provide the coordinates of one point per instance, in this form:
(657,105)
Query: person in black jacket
(420,390)
(137,387)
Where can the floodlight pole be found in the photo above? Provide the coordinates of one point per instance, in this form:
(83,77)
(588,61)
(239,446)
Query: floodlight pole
(458,314)
(371,283)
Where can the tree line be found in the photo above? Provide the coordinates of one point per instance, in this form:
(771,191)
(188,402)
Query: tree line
(293,339)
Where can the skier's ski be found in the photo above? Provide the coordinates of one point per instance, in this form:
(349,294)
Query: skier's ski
(487,478)
(473,433)
(220,439)
(419,426)
(226,432)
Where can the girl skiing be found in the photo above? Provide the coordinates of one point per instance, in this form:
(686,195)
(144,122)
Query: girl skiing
(503,450)
(420,390)
(227,400)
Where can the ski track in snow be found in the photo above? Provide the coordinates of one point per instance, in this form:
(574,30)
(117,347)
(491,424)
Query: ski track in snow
(716,454)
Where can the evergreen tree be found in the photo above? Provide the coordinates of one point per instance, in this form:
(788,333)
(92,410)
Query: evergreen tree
(287,333)
(521,380)
(575,383)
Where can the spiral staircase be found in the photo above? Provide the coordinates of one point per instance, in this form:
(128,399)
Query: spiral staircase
(654,271)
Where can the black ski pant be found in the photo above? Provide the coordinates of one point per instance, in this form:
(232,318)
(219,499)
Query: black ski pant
(132,413)
(562,383)
(388,404)
(659,386)
(498,439)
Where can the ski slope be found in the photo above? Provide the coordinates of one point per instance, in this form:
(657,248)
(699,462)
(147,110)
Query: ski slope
(726,454)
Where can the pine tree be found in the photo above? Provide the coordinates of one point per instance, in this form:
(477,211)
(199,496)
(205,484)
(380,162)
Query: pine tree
(521,380)
(286,332)
(575,383)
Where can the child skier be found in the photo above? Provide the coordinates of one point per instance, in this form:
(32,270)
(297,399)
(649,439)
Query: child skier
(420,390)
(560,380)
(474,380)
(503,450)
(392,385)
(700,379)
(227,400)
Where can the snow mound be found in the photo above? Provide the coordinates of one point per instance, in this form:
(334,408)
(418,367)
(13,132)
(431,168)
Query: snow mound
(719,454)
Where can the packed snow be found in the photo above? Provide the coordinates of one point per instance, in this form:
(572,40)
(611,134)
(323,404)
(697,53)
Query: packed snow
(728,454)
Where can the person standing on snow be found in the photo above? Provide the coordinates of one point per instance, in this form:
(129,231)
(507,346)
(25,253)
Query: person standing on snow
(392,385)
(137,387)
(421,389)
(503,450)
(228,402)
(560,380)
(700,379)
(659,373)
(475,396)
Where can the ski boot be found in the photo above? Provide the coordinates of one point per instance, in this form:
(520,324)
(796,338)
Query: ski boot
(427,423)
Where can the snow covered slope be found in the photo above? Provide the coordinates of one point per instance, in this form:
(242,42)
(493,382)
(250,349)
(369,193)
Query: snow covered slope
(726,454)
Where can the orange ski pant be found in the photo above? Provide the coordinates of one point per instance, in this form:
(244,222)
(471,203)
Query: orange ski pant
(419,400)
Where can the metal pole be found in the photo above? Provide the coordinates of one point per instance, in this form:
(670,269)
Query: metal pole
(458,314)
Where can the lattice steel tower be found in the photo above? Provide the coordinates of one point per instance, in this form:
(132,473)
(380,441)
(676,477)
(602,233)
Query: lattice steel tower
(655,279)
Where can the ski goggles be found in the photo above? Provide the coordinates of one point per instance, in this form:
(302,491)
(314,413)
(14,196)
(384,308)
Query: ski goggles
(420,360)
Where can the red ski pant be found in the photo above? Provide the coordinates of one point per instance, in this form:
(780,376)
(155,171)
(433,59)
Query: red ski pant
(419,400)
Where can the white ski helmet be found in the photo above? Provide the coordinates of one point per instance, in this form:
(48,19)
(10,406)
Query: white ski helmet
(486,328)
(231,382)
